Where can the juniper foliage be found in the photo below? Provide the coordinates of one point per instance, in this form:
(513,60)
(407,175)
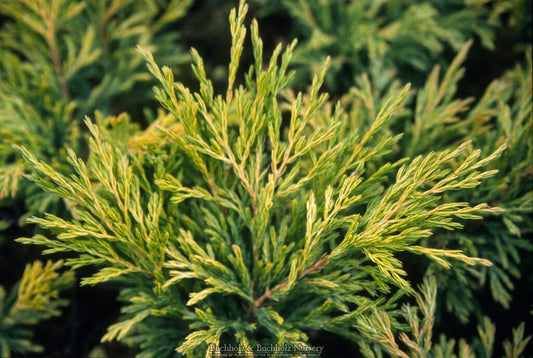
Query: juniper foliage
(418,342)
(60,60)
(63,59)
(33,299)
(436,117)
(255,215)
(408,36)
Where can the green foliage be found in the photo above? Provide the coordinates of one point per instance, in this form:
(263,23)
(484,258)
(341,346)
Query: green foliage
(438,119)
(420,319)
(34,299)
(253,216)
(409,36)
(87,49)
(503,115)
(257,214)
(62,60)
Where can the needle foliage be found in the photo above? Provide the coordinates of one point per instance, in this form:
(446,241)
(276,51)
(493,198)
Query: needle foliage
(61,60)
(265,213)
(34,299)
(408,36)
(255,216)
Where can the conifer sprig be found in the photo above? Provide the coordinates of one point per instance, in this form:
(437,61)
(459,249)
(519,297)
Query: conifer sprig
(245,228)
(34,299)
(417,342)
(62,60)
(405,37)
(502,116)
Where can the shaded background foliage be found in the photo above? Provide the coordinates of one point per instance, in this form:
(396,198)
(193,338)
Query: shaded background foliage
(116,80)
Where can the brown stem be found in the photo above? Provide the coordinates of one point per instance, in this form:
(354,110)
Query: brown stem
(316,266)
